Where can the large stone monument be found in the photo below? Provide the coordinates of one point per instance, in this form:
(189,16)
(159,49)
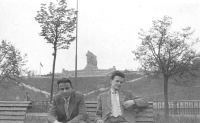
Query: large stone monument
(90,69)
(91,61)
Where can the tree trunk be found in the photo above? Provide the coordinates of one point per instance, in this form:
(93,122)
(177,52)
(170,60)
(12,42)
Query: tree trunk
(166,99)
(54,62)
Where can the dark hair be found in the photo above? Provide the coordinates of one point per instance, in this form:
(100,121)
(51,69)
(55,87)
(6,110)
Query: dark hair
(64,80)
(117,73)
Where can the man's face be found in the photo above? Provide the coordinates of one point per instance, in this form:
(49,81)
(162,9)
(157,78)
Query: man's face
(117,82)
(65,89)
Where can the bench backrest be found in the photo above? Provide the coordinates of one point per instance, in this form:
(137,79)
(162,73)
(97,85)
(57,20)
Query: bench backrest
(13,111)
(144,115)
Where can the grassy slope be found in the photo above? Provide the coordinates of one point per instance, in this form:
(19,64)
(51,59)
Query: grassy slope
(12,92)
(151,89)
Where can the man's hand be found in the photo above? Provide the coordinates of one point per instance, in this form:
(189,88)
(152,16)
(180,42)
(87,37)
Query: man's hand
(56,121)
(128,103)
(99,121)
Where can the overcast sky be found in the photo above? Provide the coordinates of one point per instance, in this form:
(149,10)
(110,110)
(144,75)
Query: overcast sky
(107,28)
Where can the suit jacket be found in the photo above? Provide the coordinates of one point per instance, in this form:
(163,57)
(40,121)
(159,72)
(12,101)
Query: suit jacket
(77,108)
(104,105)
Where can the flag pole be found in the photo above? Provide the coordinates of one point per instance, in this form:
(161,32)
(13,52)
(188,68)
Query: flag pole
(76,43)
(40,68)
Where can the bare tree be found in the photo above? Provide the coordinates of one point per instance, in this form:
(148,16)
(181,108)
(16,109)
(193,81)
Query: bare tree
(11,63)
(58,24)
(165,52)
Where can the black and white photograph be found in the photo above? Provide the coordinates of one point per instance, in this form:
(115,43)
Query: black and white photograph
(99,61)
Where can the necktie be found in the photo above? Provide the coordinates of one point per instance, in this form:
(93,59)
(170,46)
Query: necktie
(115,104)
(66,107)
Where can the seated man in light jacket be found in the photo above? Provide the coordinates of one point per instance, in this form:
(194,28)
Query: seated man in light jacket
(117,105)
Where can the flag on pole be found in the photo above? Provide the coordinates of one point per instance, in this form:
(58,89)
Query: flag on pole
(41,64)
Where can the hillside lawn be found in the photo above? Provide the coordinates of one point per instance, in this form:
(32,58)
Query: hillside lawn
(149,88)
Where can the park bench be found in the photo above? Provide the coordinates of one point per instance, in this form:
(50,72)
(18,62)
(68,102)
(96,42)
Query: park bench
(13,111)
(144,115)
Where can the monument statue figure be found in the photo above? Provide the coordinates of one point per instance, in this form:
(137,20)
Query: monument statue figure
(91,59)
(90,69)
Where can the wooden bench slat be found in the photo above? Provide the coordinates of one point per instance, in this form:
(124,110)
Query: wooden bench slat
(14,105)
(137,119)
(94,105)
(12,117)
(12,109)
(93,114)
(91,105)
(36,114)
(7,121)
(89,102)
(91,109)
(144,119)
(94,110)
(14,102)
(145,115)
(12,113)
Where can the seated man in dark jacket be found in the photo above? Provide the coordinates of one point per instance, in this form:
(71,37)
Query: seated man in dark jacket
(68,106)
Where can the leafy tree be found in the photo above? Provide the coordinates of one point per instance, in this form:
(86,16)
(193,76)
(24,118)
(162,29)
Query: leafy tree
(11,63)
(166,52)
(189,78)
(58,24)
